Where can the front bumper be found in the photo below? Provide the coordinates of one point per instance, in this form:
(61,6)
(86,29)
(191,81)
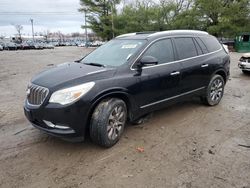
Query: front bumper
(244,66)
(67,122)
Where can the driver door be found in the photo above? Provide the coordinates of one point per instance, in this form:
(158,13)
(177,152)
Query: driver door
(159,83)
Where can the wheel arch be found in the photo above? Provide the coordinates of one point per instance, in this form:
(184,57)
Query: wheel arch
(120,94)
(222,73)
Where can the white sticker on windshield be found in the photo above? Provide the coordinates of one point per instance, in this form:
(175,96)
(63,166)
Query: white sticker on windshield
(129,46)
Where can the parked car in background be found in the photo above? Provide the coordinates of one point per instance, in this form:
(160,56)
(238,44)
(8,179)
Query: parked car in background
(25,46)
(1,47)
(39,45)
(244,63)
(10,46)
(28,45)
(49,46)
(96,43)
(55,43)
(67,44)
(73,44)
(81,44)
(62,43)
(19,47)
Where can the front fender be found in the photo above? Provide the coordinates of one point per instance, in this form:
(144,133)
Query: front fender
(117,92)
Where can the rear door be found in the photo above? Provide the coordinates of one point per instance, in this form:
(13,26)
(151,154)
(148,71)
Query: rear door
(194,70)
(160,82)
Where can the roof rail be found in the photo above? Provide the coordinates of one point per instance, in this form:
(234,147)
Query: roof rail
(146,32)
(126,35)
(179,31)
(136,33)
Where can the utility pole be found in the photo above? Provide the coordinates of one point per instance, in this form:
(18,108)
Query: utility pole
(112,18)
(86,32)
(32,25)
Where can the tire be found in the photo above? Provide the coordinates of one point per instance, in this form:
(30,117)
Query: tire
(215,91)
(108,121)
(246,72)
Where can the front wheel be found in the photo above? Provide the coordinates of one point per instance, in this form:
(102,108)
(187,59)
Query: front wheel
(245,72)
(108,121)
(215,91)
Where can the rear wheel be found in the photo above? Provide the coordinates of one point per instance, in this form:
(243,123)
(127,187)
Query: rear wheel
(215,91)
(108,121)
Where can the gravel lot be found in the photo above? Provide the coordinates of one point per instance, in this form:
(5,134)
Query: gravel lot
(186,145)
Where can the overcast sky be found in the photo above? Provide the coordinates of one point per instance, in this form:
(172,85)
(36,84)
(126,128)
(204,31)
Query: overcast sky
(52,15)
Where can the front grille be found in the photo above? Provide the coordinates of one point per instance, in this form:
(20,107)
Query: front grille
(245,59)
(36,94)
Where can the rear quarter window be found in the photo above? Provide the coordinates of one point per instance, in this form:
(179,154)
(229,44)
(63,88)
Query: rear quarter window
(199,50)
(202,45)
(211,43)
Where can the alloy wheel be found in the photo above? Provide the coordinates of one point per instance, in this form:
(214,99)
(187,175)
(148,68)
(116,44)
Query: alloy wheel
(116,121)
(216,90)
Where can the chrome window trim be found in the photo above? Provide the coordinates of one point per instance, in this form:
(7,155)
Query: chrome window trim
(169,37)
(170,98)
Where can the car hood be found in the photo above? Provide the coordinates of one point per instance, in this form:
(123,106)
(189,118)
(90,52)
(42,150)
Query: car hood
(246,55)
(71,73)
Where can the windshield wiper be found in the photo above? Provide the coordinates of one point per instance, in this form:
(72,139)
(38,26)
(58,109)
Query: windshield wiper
(95,64)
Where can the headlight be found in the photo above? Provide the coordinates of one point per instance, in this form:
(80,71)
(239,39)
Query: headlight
(69,95)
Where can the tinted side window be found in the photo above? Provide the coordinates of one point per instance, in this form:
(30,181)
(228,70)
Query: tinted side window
(202,45)
(185,47)
(211,43)
(198,48)
(162,50)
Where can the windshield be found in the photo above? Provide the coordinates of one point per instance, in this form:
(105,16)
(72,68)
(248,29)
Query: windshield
(114,53)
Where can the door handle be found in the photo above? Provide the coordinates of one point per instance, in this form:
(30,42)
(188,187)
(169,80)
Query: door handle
(175,73)
(204,65)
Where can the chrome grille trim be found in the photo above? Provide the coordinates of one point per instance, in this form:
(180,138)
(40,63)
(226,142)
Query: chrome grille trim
(36,95)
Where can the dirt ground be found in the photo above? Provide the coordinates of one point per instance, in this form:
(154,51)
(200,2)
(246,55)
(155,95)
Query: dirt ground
(186,145)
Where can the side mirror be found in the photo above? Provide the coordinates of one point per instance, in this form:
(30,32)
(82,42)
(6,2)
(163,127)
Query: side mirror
(147,61)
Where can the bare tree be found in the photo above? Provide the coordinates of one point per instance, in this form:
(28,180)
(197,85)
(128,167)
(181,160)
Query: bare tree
(46,35)
(19,29)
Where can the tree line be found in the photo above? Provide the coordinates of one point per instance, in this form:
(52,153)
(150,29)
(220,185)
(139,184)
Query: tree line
(222,18)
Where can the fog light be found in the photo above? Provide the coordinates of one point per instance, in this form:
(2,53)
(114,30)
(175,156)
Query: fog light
(50,124)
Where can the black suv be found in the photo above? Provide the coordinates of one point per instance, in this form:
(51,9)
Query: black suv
(125,79)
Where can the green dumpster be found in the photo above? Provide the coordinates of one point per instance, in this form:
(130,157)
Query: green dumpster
(242,42)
